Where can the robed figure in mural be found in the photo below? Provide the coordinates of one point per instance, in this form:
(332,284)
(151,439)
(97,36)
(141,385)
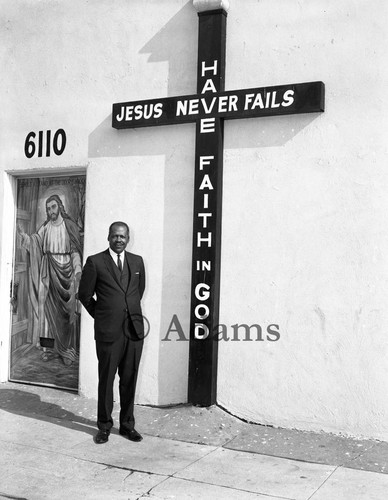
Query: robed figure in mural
(55,265)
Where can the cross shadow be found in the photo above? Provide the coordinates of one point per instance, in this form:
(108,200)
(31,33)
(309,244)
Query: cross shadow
(104,141)
(30,405)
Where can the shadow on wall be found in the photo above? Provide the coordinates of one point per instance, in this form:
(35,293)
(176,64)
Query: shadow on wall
(183,26)
(105,141)
(168,142)
(276,131)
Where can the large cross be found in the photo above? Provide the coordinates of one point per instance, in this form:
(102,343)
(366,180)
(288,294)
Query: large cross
(208,108)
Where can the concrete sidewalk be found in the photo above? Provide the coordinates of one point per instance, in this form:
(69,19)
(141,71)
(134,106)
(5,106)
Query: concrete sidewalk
(47,452)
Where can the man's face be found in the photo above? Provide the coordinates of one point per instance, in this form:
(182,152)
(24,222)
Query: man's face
(118,238)
(52,210)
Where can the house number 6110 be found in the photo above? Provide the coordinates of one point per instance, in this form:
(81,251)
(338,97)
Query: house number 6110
(43,143)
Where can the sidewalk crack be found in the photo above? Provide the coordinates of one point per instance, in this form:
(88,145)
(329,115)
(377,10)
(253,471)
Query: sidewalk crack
(325,481)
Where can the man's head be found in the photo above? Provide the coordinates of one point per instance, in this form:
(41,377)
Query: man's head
(54,207)
(118,236)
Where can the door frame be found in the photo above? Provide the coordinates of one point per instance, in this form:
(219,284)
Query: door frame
(7,249)
(6,270)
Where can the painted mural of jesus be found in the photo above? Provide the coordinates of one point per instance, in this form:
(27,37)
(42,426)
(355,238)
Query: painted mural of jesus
(55,265)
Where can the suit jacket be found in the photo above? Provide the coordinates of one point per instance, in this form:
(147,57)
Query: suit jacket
(106,300)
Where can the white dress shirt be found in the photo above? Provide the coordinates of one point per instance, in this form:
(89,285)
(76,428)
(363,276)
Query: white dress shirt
(114,256)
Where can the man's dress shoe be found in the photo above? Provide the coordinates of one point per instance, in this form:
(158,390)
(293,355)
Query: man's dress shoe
(102,436)
(132,435)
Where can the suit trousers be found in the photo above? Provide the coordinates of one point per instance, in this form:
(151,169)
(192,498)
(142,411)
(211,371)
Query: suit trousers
(123,356)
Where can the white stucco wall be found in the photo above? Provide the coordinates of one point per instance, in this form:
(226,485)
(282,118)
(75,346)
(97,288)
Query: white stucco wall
(305,238)
(304,213)
(64,64)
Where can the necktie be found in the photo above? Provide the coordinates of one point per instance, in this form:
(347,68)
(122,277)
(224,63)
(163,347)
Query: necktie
(119,264)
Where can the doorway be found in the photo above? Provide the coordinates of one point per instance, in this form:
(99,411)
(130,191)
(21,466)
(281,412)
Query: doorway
(47,264)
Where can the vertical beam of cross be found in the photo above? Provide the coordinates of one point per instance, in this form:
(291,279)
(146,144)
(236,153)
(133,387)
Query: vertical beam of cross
(204,315)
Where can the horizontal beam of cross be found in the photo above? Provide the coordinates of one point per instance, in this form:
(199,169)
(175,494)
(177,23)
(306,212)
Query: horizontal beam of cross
(247,103)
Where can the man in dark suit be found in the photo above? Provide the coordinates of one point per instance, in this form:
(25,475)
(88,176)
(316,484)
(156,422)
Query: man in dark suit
(111,288)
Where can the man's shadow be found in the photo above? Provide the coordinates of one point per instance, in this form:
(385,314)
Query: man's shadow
(30,405)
